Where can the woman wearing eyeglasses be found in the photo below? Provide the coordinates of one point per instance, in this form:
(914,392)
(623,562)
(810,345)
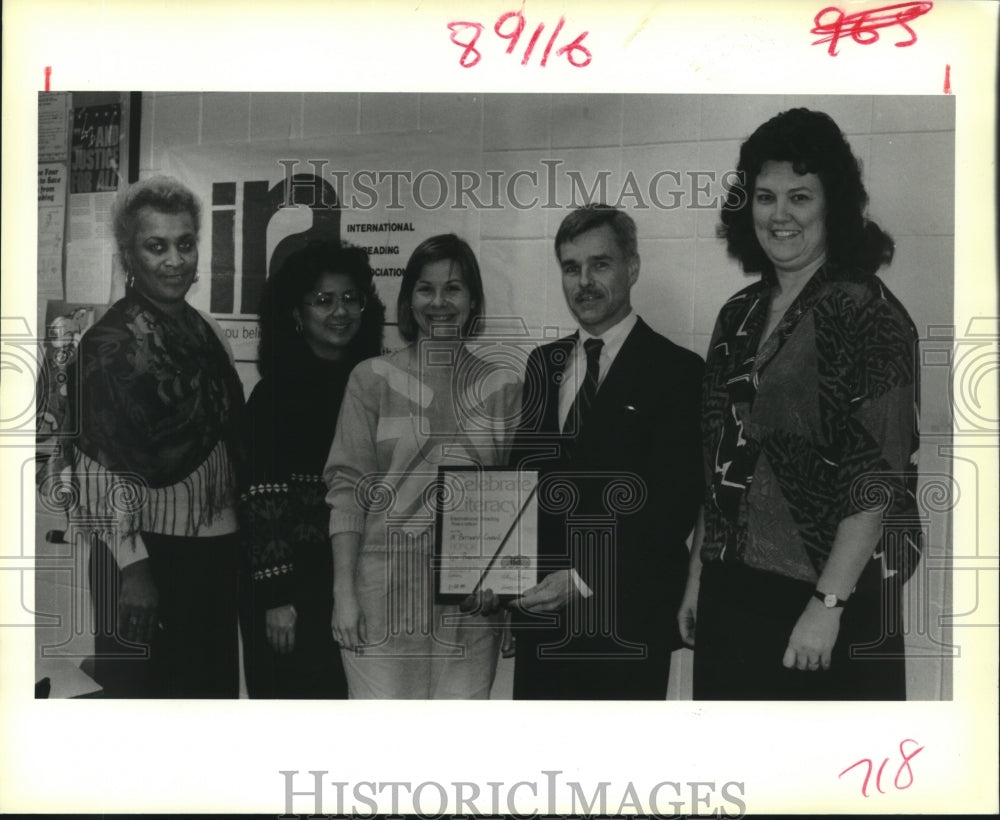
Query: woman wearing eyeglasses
(319,317)
(440,401)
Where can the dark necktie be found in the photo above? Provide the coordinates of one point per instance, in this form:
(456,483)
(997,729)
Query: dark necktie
(585,397)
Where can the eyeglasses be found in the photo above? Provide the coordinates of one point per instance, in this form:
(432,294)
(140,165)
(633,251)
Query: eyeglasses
(351,300)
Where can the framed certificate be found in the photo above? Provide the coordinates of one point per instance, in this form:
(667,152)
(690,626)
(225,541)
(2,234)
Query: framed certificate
(487,532)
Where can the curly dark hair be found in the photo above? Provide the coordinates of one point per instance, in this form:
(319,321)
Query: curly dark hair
(443,246)
(813,143)
(282,349)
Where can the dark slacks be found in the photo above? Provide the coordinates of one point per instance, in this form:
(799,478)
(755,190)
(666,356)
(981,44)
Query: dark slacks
(591,679)
(194,652)
(562,662)
(745,617)
(313,669)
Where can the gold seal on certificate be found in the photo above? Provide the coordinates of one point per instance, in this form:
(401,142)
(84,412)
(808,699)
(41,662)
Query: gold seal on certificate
(487,531)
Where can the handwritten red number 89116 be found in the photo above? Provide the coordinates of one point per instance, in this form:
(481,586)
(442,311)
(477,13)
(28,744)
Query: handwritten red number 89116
(577,54)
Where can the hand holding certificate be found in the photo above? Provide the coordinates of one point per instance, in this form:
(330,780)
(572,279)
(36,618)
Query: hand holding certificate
(487,533)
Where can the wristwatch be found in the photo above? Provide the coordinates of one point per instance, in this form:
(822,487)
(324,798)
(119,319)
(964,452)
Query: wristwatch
(829,599)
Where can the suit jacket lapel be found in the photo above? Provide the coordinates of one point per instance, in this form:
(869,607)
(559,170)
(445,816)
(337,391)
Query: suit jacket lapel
(625,370)
(555,363)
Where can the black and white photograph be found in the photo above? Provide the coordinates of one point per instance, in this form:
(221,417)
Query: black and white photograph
(646,393)
(376,234)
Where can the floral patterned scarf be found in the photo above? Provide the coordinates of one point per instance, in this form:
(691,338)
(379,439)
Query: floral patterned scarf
(156,396)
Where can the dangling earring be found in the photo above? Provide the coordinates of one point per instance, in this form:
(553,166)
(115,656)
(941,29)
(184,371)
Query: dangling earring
(129,279)
(298,327)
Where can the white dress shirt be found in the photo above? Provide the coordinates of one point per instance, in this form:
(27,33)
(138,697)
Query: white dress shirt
(576,367)
(573,376)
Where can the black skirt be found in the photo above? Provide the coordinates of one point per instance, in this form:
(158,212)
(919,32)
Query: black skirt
(745,617)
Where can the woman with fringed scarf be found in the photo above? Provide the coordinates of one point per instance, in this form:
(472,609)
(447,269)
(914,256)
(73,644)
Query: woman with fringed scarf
(155,462)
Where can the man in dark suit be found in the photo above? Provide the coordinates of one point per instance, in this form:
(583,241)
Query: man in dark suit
(610,420)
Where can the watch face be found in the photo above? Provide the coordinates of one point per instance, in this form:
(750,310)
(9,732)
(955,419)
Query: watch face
(830,599)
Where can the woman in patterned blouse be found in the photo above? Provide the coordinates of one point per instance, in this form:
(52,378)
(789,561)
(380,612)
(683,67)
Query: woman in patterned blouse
(810,437)
(319,317)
